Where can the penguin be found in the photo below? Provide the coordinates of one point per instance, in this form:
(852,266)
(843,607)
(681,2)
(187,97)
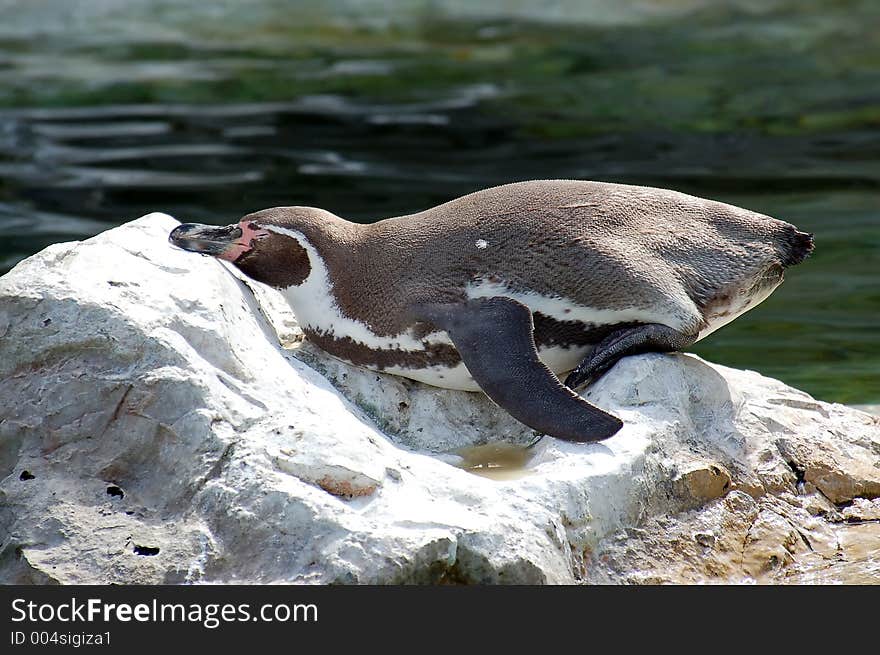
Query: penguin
(505,289)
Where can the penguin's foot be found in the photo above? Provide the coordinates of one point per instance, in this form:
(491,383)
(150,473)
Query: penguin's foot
(652,337)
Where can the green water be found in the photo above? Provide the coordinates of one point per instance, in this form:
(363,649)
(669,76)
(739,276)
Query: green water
(210,110)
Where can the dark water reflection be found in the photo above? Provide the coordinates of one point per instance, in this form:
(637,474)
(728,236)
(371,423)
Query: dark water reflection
(777,111)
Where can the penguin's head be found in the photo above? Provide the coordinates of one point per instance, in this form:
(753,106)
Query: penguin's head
(268,246)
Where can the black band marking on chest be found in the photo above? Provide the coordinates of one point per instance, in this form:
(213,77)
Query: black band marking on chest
(548,333)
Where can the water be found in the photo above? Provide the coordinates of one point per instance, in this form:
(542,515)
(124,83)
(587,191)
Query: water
(499,460)
(371,109)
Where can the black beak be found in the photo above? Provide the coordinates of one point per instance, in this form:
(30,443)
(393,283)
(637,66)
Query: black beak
(206,239)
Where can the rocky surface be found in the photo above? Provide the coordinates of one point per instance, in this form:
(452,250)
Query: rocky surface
(161,421)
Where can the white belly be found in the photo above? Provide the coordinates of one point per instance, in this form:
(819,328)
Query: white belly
(740,303)
(557,359)
(315,309)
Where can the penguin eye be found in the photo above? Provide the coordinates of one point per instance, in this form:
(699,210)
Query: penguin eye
(257,231)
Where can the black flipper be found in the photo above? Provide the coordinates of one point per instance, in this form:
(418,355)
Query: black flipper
(652,337)
(495,338)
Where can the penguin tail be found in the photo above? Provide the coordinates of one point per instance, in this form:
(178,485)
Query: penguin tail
(795,247)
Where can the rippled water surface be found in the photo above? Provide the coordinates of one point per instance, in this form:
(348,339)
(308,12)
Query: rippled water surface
(371,109)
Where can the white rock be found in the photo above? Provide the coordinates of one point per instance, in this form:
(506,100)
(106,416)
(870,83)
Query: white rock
(126,363)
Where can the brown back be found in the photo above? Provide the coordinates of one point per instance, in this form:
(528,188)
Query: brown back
(601,245)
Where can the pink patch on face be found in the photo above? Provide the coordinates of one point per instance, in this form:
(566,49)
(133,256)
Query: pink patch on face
(249,233)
